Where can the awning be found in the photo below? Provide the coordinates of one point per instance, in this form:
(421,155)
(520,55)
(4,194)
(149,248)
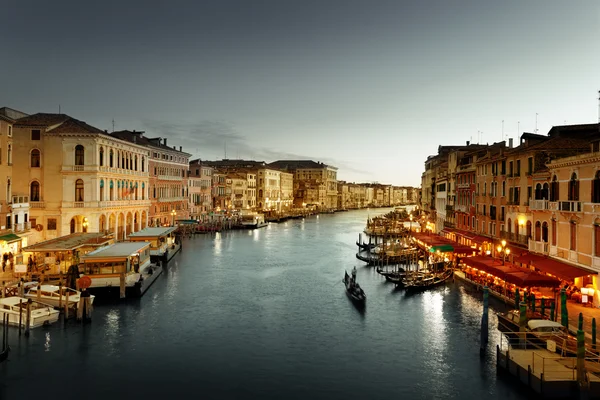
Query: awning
(10,237)
(444,248)
(512,274)
(552,266)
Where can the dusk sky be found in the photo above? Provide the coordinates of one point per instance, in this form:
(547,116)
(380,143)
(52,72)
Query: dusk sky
(372,87)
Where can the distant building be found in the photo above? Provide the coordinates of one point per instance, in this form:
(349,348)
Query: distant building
(200,190)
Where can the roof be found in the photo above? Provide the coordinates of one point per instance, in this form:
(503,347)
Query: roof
(117,250)
(70,242)
(543,323)
(73,125)
(153,232)
(41,119)
(13,300)
(291,165)
(138,137)
(552,266)
(11,115)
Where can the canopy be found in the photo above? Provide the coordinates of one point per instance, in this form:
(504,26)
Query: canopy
(510,273)
(10,237)
(443,248)
(552,266)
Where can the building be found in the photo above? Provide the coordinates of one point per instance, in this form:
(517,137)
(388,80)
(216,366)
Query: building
(200,190)
(168,178)
(78,178)
(315,183)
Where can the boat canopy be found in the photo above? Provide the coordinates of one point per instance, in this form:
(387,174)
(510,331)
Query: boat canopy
(535,324)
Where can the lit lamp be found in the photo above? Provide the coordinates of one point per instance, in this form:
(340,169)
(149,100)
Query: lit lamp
(173,213)
(503,250)
(85,224)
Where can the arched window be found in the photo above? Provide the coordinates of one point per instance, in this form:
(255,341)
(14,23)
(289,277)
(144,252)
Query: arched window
(529,229)
(596,188)
(538,231)
(554,232)
(143,163)
(143,191)
(573,188)
(538,191)
(554,189)
(110,158)
(545,190)
(509,224)
(101,189)
(79,190)
(35,158)
(101,154)
(79,155)
(545,232)
(111,190)
(72,225)
(34,191)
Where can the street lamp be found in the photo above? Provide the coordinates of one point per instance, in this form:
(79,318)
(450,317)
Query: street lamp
(502,249)
(173,213)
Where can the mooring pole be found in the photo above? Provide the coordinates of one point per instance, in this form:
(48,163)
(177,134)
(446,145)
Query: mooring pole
(484,322)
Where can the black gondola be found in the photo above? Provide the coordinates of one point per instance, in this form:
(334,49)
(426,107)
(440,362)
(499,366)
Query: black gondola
(425,281)
(353,289)
(365,246)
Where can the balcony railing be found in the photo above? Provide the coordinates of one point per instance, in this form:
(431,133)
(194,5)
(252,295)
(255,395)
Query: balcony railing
(37,204)
(22,226)
(538,247)
(514,237)
(538,205)
(462,208)
(20,200)
(565,206)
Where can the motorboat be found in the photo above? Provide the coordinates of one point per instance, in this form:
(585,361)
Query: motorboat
(52,294)
(16,309)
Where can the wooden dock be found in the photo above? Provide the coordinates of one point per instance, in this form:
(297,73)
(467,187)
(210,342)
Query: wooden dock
(547,373)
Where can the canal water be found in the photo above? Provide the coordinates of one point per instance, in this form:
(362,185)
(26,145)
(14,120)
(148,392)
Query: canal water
(263,314)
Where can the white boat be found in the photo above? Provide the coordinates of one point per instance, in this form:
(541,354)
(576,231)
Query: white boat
(52,294)
(41,314)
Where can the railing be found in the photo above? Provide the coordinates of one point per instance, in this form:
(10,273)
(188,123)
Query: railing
(538,247)
(169,178)
(20,227)
(569,206)
(37,204)
(122,171)
(538,205)
(449,207)
(514,237)
(20,200)
(461,208)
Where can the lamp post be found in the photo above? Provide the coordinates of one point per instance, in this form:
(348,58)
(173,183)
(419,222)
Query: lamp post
(173,213)
(503,250)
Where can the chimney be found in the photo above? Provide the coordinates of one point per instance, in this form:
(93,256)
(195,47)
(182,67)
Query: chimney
(468,142)
(510,143)
(165,141)
(134,138)
(180,148)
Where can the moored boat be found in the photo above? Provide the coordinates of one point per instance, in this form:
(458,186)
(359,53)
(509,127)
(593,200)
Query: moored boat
(52,294)
(418,282)
(15,308)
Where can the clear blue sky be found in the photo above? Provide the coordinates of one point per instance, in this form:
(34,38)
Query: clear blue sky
(372,87)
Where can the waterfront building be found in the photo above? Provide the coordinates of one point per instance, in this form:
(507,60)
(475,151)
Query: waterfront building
(237,183)
(343,195)
(78,178)
(219,191)
(270,185)
(200,190)
(168,178)
(315,183)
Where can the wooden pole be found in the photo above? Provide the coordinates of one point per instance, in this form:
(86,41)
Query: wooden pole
(484,322)
(122,285)
(60,295)
(594,334)
(20,315)
(28,319)
(67,305)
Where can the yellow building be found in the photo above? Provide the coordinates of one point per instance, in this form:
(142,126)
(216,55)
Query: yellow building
(79,178)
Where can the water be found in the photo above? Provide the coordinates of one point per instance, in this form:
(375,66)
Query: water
(263,314)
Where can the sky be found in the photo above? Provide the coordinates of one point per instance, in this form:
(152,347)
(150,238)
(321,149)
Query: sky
(371,87)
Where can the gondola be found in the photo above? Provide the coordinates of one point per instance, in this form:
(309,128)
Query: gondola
(4,354)
(365,246)
(353,289)
(427,281)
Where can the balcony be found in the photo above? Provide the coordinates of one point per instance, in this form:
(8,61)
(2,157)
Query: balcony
(22,227)
(565,206)
(449,207)
(515,238)
(169,178)
(538,247)
(37,204)
(538,205)
(20,202)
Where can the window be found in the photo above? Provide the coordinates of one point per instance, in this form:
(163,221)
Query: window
(9,155)
(79,190)
(596,188)
(503,188)
(518,172)
(530,166)
(101,189)
(554,232)
(101,156)
(597,239)
(143,162)
(35,158)
(34,191)
(529,189)
(574,188)
(554,189)
(35,134)
(51,224)
(110,158)
(573,227)
(510,168)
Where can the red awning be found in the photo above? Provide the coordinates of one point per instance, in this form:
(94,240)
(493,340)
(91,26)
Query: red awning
(552,266)
(510,273)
